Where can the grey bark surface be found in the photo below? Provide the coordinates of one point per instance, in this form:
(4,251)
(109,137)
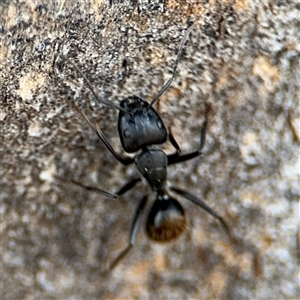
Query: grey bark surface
(242,59)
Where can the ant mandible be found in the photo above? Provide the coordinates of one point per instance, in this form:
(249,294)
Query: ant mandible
(140,127)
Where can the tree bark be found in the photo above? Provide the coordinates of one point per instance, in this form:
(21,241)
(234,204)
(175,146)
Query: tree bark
(242,59)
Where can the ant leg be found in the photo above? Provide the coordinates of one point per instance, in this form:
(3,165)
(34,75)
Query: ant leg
(181,158)
(124,161)
(212,212)
(93,189)
(97,130)
(107,103)
(129,185)
(133,233)
(172,140)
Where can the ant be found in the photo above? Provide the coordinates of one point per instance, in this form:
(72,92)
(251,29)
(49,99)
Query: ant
(140,127)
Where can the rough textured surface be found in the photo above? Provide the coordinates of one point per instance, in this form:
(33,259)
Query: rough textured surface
(243,59)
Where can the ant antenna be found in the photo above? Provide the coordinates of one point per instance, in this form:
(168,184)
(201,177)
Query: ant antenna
(168,83)
(107,103)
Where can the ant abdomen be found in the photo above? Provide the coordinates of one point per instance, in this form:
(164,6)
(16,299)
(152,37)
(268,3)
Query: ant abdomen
(166,220)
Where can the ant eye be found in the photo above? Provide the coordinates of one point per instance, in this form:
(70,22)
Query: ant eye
(166,221)
(126,133)
(159,124)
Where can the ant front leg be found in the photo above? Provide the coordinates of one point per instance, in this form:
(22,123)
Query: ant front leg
(172,140)
(97,130)
(124,161)
(173,159)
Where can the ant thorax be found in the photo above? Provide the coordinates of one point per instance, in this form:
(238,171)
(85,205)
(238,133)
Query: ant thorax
(152,164)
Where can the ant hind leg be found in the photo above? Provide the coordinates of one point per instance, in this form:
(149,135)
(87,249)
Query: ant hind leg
(208,209)
(133,233)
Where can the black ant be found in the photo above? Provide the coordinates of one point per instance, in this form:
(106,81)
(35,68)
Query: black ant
(140,127)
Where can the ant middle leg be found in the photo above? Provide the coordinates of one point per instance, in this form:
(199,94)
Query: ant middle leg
(93,189)
(128,186)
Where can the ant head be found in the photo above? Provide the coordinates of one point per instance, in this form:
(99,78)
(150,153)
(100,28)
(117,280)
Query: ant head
(139,125)
(166,220)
